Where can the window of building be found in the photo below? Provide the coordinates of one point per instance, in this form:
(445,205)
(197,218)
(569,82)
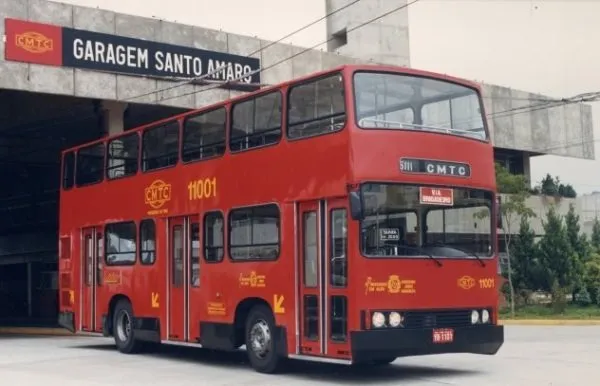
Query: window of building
(123,156)
(254,233)
(120,239)
(317,107)
(160,146)
(68,170)
(90,164)
(256,122)
(213,237)
(204,135)
(147,242)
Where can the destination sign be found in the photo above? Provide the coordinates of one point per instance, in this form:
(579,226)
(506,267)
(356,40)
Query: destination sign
(435,167)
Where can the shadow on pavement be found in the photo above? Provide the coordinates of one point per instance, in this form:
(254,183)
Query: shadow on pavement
(308,371)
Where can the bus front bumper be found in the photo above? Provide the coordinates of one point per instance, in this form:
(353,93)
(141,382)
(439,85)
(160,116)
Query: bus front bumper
(392,343)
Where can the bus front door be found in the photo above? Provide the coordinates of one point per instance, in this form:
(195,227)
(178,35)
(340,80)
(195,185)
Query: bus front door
(183,232)
(322,275)
(91,253)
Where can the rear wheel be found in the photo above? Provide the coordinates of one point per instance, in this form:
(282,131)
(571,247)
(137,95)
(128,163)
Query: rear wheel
(123,328)
(261,344)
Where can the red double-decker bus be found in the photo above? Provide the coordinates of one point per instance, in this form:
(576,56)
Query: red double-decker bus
(349,216)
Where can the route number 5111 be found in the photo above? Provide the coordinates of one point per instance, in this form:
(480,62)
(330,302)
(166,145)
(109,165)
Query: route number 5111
(202,188)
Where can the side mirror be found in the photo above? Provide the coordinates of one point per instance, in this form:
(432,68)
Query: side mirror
(499,223)
(355,206)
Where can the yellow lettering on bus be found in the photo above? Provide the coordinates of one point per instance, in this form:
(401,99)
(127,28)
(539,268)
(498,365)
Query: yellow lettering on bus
(202,189)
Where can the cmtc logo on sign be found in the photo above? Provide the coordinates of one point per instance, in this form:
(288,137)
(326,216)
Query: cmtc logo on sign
(436,196)
(60,46)
(33,42)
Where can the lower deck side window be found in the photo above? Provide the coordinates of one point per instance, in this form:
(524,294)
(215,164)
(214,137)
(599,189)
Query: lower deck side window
(254,233)
(120,239)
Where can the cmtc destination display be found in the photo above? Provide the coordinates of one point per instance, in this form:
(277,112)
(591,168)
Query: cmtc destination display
(60,46)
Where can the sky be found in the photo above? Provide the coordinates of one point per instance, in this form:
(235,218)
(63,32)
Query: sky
(538,46)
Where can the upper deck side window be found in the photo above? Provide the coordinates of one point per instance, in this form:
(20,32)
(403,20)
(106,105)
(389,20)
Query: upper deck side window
(90,164)
(204,135)
(316,107)
(68,170)
(399,101)
(123,155)
(256,122)
(160,146)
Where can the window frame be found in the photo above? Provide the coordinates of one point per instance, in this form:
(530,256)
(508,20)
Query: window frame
(225,132)
(231,121)
(73,168)
(143,132)
(107,157)
(203,236)
(106,240)
(140,240)
(230,228)
(289,104)
(76,174)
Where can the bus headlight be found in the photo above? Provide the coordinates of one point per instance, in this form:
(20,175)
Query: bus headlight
(485,316)
(474,317)
(378,319)
(395,319)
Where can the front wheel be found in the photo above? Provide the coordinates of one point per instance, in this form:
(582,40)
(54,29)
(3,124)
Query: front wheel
(123,328)
(260,340)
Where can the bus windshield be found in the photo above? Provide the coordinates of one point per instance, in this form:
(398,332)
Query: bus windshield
(396,101)
(415,220)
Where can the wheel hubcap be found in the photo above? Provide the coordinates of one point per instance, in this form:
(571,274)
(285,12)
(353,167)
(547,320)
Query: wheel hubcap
(123,326)
(260,338)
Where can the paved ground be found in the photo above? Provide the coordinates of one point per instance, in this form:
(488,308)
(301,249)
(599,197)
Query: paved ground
(532,356)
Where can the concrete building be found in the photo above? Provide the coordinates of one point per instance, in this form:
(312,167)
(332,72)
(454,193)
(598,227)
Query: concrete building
(70,74)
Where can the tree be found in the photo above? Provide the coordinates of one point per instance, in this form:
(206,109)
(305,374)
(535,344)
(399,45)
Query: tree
(524,262)
(596,235)
(516,187)
(580,247)
(557,257)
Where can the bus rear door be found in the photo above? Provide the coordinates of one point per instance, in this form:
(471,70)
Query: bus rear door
(91,251)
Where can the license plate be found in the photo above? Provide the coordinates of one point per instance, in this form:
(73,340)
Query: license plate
(444,335)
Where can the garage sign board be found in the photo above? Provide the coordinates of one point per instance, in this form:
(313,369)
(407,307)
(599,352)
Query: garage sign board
(52,45)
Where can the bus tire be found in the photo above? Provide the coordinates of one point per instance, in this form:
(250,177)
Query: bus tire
(260,340)
(123,331)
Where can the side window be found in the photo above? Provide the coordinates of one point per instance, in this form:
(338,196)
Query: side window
(338,254)
(147,242)
(68,170)
(256,122)
(123,156)
(316,108)
(254,233)
(204,136)
(213,237)
(90,165)
(195,254)
(160,146)
(120,242)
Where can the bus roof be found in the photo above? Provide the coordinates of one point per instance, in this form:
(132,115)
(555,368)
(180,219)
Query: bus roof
(347,68)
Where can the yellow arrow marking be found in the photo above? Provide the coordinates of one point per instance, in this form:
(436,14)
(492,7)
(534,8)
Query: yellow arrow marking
(278,304)
(72,297)
(155,300)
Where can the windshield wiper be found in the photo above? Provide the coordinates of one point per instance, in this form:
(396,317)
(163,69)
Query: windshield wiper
(481,261)
(422,250)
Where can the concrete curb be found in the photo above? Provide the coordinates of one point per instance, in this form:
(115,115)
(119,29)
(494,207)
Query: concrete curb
(48,331)
(550,322)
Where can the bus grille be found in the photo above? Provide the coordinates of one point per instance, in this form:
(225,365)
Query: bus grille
(436,319)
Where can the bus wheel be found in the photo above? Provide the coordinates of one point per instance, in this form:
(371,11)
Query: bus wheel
(123,328)
(260,340)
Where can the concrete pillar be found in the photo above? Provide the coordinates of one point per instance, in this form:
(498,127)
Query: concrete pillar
(527,167)
(113,124)
(384,41)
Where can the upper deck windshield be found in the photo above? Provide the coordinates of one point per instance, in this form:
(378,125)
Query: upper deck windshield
(397,101)
(409,220)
